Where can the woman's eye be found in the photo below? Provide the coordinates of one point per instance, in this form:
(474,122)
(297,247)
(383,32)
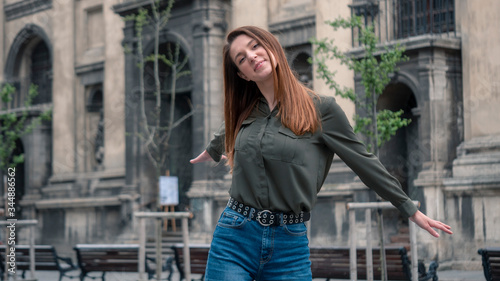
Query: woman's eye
(256,45)
(242,59)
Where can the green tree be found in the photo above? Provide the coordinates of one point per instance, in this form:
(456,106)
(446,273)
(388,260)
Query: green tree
(14,123)
(154,134)
(375,68)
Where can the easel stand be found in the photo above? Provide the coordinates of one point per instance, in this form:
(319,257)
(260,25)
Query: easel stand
(169,208)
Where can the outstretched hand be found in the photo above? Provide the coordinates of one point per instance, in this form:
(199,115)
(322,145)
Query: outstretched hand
(204,157)
(429,224)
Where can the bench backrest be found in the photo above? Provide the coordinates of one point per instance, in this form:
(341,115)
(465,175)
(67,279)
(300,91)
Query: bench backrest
(491,262)
(45,257)
(198,257)
(121,258)
(334,263)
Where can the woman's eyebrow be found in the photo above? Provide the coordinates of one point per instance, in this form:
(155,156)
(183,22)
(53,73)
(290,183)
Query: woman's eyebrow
(239,53)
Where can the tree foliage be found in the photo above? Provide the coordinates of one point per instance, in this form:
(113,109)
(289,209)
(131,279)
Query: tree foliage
(14,123)
(374,68)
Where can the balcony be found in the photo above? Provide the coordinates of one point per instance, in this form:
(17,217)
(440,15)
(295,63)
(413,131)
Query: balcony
(395,20)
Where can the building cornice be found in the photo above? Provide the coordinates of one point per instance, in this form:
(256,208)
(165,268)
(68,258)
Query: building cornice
(415,43)
(24,8)
(294,31)
(92,67)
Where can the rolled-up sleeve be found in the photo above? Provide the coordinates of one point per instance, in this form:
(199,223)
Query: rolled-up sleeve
(216,146)
(340,138)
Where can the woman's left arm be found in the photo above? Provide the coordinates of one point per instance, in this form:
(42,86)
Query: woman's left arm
(339,136)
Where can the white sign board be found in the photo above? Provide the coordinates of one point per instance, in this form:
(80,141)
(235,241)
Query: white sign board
(169,191)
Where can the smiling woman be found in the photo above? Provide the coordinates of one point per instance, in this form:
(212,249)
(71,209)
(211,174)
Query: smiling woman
(249,55)
(280,138)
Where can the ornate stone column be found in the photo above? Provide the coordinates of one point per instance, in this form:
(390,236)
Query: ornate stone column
(208,189)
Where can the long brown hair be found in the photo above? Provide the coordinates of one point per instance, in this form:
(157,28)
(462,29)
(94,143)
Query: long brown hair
(296,107)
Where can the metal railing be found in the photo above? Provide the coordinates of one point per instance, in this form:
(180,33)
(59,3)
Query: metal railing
(31,238)
(399,19)
(369,207)
(417,17)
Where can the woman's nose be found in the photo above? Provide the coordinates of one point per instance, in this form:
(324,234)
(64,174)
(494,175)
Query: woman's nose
(253,56)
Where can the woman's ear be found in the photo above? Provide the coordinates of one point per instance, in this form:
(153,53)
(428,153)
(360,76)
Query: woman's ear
(243,76)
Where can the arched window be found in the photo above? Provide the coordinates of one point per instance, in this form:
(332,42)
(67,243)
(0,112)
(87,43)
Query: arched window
(41,72)
(95,126)
(402,154)
(94,103)
(303,68)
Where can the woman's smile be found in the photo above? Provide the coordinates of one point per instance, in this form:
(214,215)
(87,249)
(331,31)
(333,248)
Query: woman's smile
(259,64)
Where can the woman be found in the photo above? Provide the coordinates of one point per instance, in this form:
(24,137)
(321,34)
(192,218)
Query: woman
(280,139)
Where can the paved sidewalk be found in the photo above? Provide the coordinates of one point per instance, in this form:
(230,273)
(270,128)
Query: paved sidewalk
(446,275)
(460,275)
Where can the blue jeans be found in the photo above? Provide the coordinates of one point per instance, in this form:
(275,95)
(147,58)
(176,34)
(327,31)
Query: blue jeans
(244,250)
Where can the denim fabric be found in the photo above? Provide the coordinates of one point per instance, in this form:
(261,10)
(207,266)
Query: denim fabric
(244,250)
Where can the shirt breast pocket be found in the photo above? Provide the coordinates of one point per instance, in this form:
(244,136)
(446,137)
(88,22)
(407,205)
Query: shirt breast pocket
(243,136)
(290,147)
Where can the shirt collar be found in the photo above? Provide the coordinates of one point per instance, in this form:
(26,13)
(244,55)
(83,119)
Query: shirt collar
(263,106)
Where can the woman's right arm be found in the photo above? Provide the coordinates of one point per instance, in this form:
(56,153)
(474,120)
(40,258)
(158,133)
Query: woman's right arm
(215,148)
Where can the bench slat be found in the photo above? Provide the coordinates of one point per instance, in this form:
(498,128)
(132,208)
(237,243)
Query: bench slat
(109,257)
(335,263)
(491,262)
(45,258)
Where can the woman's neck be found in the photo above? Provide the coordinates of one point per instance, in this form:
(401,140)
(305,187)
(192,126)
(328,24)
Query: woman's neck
(267,90)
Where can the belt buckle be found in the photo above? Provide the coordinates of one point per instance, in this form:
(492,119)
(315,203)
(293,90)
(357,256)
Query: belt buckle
(262,215)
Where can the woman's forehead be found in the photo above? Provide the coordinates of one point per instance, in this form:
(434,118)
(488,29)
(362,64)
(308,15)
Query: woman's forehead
(239,43)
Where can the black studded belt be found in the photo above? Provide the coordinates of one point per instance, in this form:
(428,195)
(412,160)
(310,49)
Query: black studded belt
(266,217)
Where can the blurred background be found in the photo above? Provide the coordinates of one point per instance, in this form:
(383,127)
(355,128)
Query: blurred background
(91,166)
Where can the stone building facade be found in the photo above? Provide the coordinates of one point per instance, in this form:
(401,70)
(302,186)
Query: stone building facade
(86,172)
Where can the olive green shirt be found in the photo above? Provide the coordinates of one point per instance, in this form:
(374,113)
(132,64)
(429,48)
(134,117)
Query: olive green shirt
(276,170)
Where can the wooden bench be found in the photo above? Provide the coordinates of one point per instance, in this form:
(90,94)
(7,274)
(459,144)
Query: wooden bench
(113,257)
(491,262)
(198,258)
(46,258)
(334,263)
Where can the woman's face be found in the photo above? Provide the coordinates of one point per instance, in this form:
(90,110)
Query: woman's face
(252,60)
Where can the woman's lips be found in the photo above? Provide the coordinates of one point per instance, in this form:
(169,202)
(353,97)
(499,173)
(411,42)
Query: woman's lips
(259,64)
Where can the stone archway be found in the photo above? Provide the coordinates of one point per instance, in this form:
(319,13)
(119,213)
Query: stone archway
(401,155)
(30,61)
(179,151)
(303,68)
(26,38)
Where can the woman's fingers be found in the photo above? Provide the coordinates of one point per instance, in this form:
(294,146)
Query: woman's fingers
(203,157)
(441,226)
(429,224)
